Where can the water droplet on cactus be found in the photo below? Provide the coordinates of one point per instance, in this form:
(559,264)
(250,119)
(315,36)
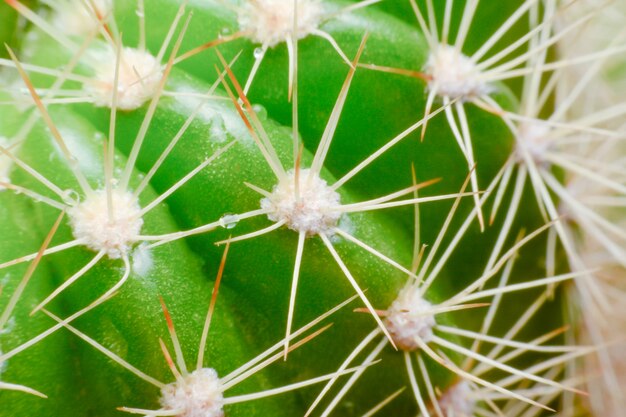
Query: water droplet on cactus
(70,197)
(229,221)
(260,111)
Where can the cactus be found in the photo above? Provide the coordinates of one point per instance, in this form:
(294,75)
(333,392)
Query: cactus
(310,207)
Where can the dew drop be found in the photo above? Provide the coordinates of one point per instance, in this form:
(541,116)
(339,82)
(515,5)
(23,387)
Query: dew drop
(70,197)
(258,53)
(229,221)
(260,111)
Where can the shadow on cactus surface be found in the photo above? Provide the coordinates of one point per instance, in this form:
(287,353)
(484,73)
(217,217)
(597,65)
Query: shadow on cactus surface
(312,207)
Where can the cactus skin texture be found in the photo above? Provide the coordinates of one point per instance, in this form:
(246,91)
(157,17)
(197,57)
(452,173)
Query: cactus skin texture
(272,167)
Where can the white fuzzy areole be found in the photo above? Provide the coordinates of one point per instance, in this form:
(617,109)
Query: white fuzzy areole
(454,75)
(409,318)
(199,394)
(139,78)
(77,18)
(270,22)
(533,136)
(90,222)
(457,401)
(311,213)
